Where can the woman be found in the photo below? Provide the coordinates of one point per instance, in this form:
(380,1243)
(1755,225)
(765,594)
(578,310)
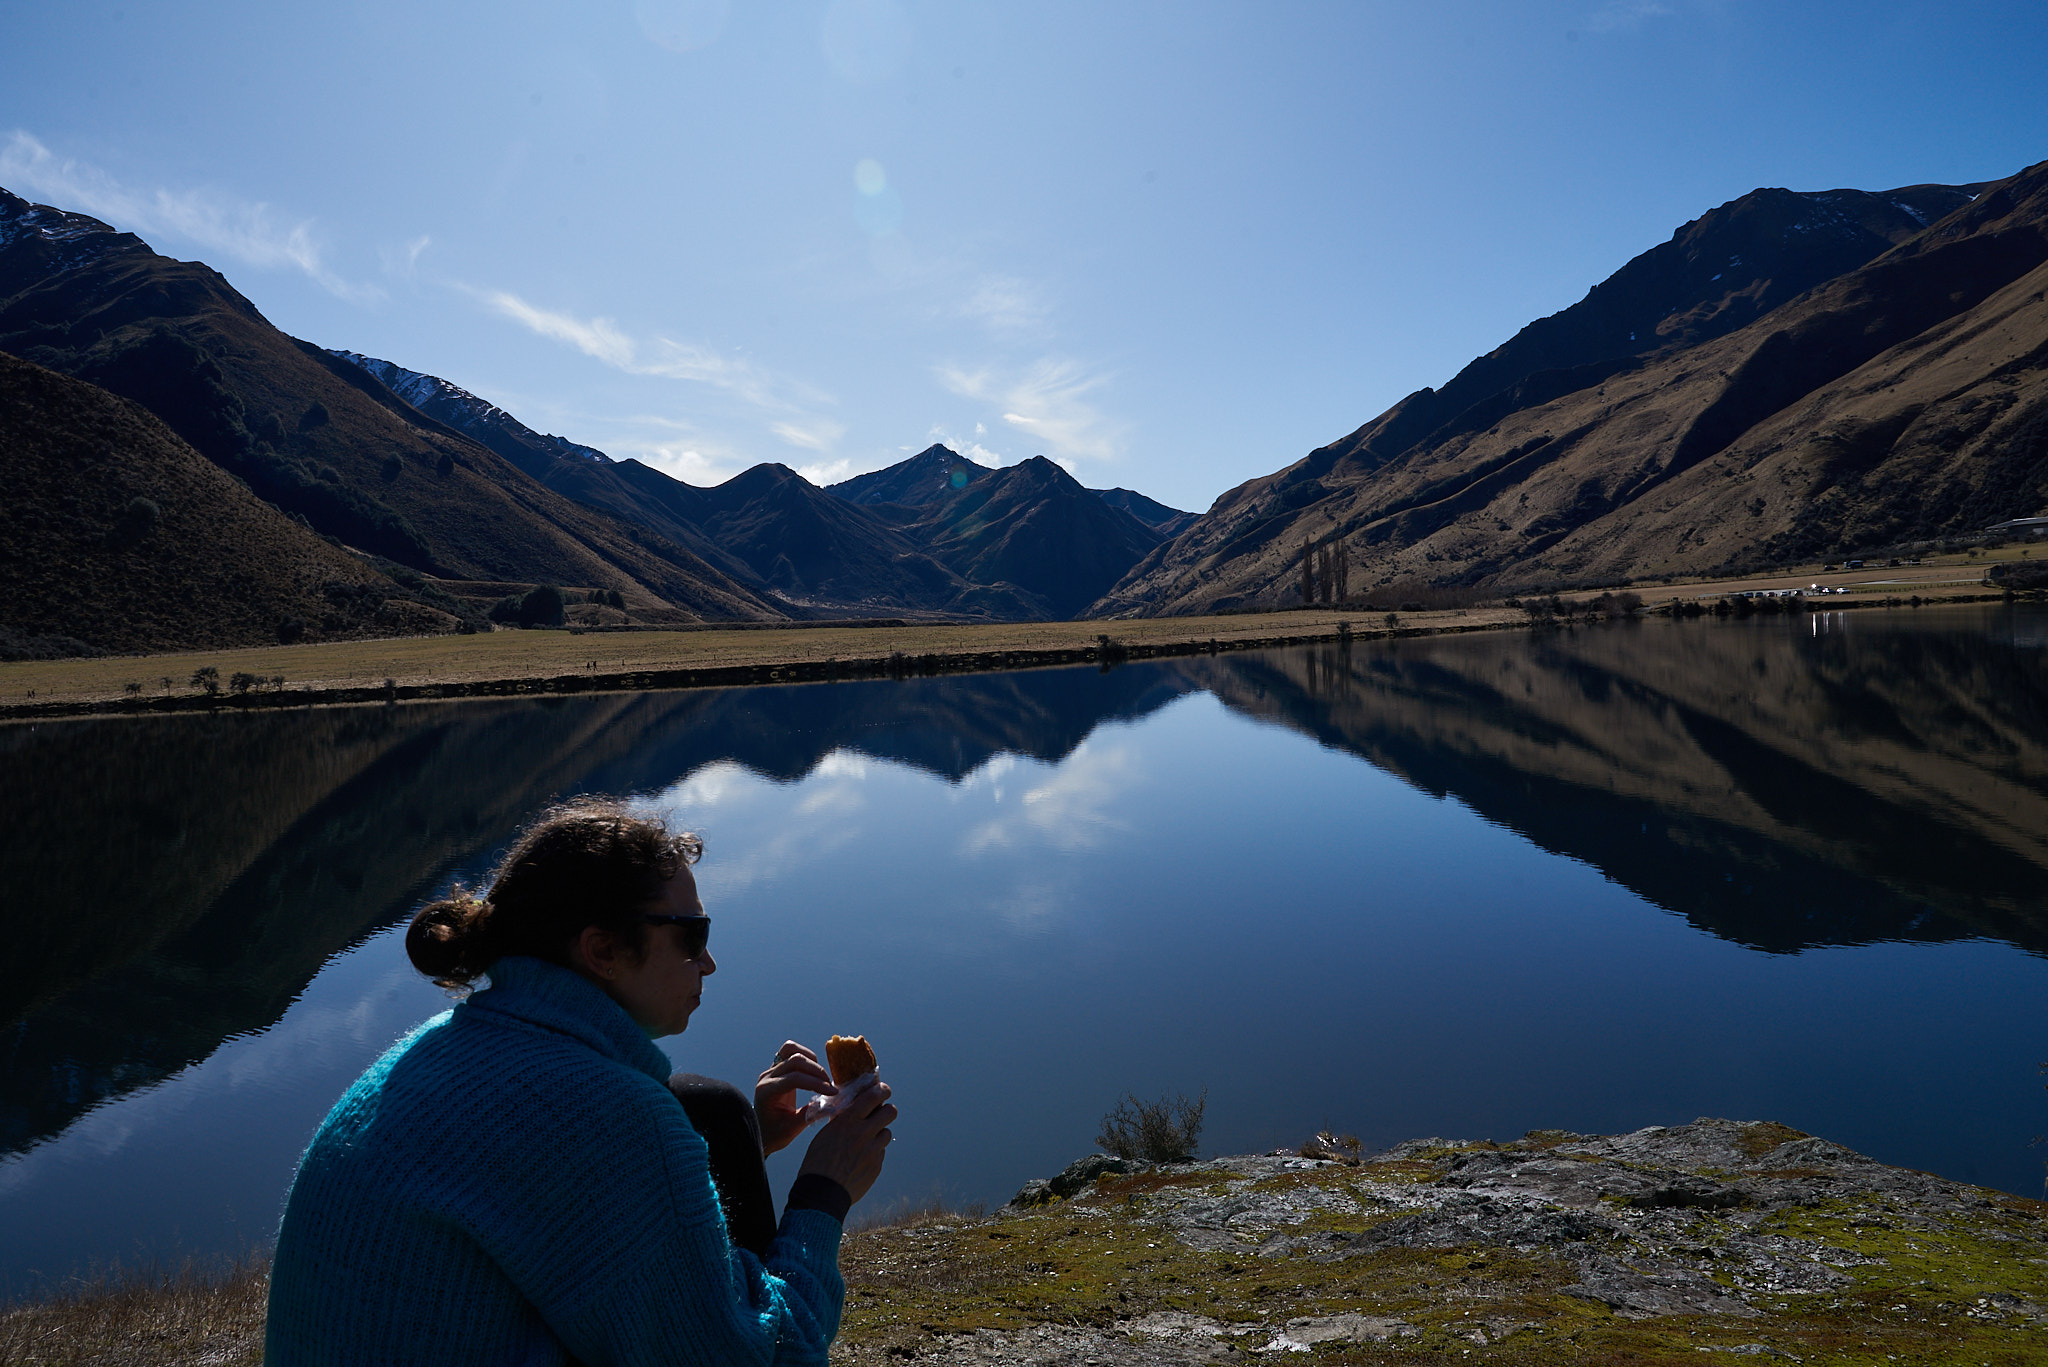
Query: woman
(514,1182)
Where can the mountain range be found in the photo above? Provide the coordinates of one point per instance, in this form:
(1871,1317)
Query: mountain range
(936,533)
(377,500)
(1791,376)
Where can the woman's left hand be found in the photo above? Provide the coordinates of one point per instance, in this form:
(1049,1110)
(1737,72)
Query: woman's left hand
(796,1069)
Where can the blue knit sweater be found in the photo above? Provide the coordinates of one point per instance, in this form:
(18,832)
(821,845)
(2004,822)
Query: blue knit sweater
(514,1183)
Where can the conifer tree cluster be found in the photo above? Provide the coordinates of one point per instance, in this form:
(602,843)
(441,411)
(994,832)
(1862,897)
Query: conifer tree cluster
(1325,570)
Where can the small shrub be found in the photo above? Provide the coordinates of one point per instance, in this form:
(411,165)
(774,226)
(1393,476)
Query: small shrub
(131,688)
(445,466)
(277,682)
(1331,1146)
(242,681)
(1163,1131)
(207,677)
(541,606)
(390,469)
(314,416)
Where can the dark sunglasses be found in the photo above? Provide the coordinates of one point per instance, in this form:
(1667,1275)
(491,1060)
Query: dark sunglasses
(696,931)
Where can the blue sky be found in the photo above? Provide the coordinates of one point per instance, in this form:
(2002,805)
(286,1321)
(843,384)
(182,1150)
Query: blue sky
(1172,246)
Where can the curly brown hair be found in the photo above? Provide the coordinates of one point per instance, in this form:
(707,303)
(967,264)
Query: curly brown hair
(588,862)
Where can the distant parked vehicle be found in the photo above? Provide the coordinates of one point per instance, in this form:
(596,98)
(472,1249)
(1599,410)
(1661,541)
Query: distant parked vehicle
(1853,565)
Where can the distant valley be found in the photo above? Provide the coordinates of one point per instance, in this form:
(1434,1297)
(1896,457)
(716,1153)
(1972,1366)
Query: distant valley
(1792,376)
(376,500)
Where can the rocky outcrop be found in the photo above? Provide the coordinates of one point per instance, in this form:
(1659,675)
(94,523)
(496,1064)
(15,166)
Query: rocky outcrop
(1718,1236)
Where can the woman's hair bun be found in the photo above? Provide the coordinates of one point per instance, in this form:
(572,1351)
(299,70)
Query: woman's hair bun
(446,940)
(591,861)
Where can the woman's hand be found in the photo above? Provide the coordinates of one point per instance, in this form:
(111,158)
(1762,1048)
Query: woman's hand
(795,1069)
(849,1148)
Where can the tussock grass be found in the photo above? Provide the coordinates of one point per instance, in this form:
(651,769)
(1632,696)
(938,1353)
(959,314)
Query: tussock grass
(910,1213)
(188,1316)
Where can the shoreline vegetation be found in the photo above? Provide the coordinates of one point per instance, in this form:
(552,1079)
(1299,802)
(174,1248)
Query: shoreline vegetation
(1743,1238)
(541,661)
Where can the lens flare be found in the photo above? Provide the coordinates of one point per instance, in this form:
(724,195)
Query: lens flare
(868,177)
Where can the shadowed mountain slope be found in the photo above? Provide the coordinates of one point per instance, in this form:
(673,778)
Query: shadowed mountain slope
(1033,526)
(821,552)
(930,475)
(1168,522)
(920,537)
(937,473)
(474,417)
(310,433)
(117,536)
(1900,398)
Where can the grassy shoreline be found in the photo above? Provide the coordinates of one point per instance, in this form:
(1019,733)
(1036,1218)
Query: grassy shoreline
(514,662)
(509,663)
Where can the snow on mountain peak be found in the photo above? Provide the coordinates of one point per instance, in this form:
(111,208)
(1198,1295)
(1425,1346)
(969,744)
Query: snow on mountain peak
(78,237)
(456,406)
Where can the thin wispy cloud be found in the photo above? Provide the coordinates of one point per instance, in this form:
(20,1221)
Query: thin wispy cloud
(1049,402)
(742,379)
(598,338)
(820,434)
(602,339)
(822,473)
(249,232)
(1007,306)
(403,261)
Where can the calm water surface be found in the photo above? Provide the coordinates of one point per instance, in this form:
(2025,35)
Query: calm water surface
(1787,869)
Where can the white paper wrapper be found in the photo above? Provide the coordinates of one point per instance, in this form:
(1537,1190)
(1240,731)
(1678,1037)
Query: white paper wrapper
(825,1107)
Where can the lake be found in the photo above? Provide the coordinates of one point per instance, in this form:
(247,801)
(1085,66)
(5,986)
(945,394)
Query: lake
(1787,868)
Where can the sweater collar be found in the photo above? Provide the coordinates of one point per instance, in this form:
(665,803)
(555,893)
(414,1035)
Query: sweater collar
(551,997)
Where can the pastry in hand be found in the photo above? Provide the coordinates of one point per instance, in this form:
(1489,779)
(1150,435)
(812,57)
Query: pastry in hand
(849,1057)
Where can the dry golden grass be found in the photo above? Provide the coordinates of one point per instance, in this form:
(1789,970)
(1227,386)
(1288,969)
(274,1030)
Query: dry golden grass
(422,660)
(1959,572)
(154,1317)
(416,661)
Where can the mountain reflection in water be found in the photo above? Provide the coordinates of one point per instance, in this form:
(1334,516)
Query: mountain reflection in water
(178,882)
(1782,788)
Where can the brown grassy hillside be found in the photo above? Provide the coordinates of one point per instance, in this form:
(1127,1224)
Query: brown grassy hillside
(1907,398)
(312,433)
(116,535)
